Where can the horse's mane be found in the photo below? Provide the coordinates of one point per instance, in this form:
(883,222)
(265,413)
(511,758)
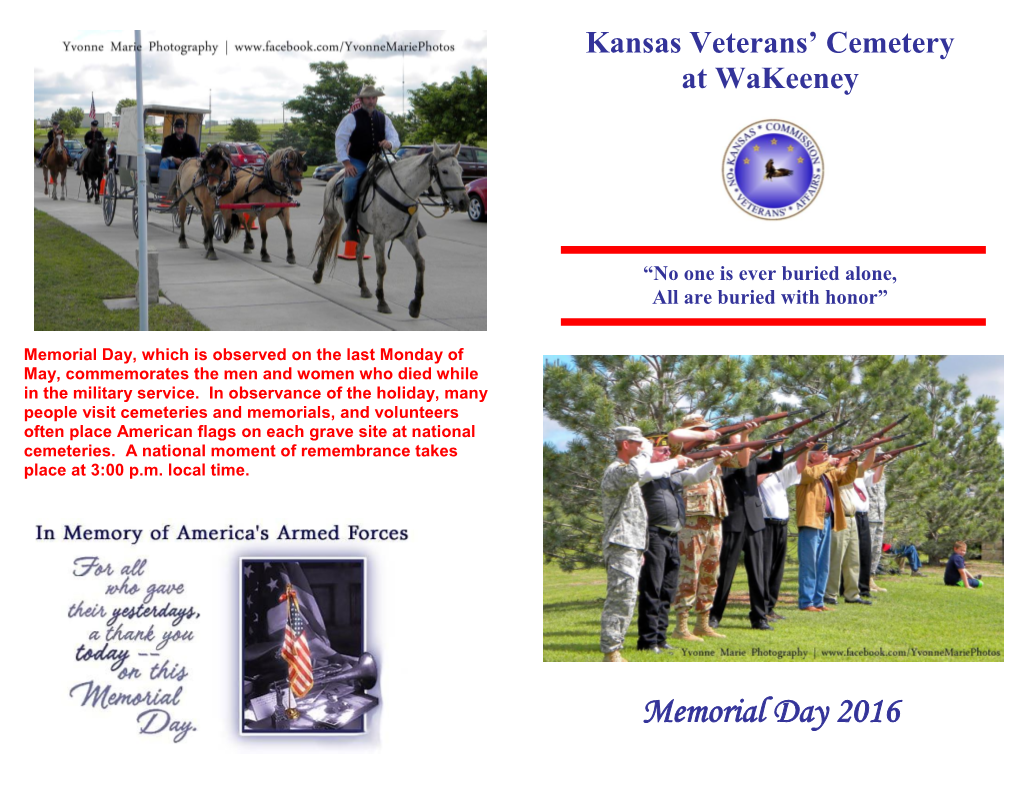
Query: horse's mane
(277,157)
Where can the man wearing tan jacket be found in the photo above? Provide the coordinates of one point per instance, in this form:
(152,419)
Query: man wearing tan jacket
(818,508)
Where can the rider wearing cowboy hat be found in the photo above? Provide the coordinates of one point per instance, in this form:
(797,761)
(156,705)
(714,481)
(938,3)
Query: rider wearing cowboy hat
(366,131)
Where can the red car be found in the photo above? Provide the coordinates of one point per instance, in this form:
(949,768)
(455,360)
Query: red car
(477,204)
(242,154)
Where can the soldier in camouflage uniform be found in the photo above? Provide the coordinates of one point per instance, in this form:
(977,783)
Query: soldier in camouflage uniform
(626,535)
(700,546)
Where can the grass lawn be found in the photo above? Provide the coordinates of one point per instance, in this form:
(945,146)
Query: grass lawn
(915,612)
(73,274)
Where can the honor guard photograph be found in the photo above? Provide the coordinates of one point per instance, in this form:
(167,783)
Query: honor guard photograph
(773,508)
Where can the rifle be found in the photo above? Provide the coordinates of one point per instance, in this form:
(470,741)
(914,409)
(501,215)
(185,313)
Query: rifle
(868,445)
(715,451)
(740,426)
(791,454)
(787,431)
(888,427)
(884,457)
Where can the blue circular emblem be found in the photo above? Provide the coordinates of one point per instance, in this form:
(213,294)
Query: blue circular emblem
(773,169)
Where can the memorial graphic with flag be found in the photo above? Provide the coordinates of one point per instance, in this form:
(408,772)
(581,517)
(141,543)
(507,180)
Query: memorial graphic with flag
(92,112)
(295,647)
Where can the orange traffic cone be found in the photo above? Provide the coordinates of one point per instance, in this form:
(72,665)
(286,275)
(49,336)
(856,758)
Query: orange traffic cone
(250,223)
(351,252)
(102,187)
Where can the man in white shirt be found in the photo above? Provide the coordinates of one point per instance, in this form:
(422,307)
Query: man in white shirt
(772,488)
(367,131)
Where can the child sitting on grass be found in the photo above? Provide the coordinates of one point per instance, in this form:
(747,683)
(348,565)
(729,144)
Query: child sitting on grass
(956,574)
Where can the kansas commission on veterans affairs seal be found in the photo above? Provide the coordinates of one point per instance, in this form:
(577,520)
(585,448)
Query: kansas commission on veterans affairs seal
(773,169)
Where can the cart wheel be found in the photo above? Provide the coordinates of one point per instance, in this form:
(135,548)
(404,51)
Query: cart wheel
(217,224)
(175,218)
(134,214)
(109,198)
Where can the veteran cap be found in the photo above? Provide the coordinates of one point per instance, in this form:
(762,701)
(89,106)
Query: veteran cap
(627,434)
(179,123)
(658,438)
(822,445)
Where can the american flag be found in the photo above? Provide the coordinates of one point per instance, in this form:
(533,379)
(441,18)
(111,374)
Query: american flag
(356,105)
(295,647)
(92,112)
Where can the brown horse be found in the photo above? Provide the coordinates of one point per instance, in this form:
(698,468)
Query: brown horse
(279,180)
(56,162)
(199,182)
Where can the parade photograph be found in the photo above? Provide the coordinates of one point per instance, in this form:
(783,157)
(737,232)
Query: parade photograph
(773,508)
(267,184)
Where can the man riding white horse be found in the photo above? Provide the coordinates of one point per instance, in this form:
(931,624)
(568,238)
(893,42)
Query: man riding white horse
(367,131)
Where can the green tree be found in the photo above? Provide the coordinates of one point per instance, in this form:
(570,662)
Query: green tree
(652,392)
(452,112)
(951,489)
(69,120)
(245,130)
(124,102)
(288,137)
(154,134)
(405,125)
(325,103)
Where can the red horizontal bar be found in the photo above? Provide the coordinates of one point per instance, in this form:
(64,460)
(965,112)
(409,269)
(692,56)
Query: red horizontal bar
(772,321)
(772,250)
(248,206)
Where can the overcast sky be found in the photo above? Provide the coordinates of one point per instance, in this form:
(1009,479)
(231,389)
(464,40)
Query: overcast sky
(243,85)
(984,377)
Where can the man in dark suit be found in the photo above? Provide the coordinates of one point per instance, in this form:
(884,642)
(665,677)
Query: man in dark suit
(743,530)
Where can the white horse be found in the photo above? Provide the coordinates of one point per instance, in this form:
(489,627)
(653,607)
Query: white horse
(388,208)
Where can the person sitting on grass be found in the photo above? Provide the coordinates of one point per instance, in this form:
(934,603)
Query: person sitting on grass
(910,553)
(956,573)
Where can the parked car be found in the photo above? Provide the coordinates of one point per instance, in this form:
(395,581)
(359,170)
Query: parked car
(242,154)
(254,152)
(472,159)
(75,149)
(152,157)
(477,204)
(326,171)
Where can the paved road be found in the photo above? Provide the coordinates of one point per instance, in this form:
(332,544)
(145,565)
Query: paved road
(238,293)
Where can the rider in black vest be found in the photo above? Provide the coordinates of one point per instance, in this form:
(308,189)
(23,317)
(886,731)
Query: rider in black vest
(361,134)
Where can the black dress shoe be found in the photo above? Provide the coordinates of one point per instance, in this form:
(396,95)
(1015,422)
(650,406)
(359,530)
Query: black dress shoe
(761,625)
(713,622)
(776,617)
(858,601)
(653,649)
(666,647)
(830,601)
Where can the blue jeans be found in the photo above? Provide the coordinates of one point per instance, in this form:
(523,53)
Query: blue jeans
(351,184)
(167,164)
(813,555)
(911,553)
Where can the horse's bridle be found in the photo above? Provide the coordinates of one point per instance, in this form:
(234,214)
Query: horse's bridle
(434,172)
(279,190)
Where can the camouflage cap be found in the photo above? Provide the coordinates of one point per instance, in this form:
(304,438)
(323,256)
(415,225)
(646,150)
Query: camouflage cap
(627,434)
(695,421)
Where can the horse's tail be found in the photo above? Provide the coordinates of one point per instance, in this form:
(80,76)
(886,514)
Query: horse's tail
(330,246)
